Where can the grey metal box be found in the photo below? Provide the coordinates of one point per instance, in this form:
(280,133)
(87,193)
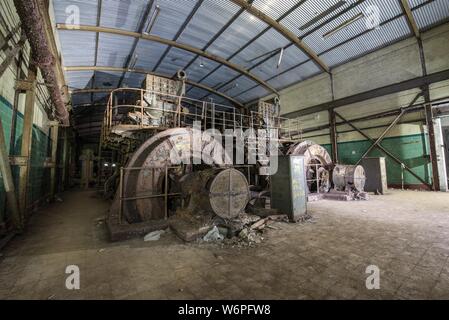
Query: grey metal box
(376,175)
(289,187)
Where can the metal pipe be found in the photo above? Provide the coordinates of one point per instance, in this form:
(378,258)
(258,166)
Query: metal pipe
(33,26)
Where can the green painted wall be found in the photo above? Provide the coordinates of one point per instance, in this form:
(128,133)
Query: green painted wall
(39,176)
(411,149)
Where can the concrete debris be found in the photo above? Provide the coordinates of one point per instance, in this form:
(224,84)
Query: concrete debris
(213,235)
(100,221)
(259,225)
(246,230)
(346,196)
(262,212)
(154,236)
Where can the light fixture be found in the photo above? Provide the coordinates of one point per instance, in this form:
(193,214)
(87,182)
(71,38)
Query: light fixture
(133,62)
(323,14)
(281,56)
(343,25)
(153,19)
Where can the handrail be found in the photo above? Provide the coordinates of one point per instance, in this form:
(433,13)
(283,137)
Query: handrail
(210,114)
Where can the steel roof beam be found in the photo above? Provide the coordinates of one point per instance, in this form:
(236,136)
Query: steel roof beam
(97,42)
(284,31)
(173,44)
(286,14)
(115,69)
(375,93)
(219,33)
(410,18)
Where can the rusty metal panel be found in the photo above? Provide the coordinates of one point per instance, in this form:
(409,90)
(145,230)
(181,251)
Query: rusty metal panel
(376,175)
(289,188)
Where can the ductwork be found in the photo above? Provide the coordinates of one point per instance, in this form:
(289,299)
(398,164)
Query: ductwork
(33,25)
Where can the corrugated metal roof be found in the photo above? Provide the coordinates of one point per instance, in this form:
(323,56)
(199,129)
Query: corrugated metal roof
(319,44)
(243,38)
(430,14)
(79,79)
(200,68)
(175,60)
(148,53)
(78,47)
(274,9)
(113,50)
(237,35)
(210,18)
(122,14)
(220,77)
(133,80)
(171,17)
(390,32)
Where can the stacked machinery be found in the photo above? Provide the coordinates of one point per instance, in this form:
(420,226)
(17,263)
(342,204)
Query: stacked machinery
(151,125)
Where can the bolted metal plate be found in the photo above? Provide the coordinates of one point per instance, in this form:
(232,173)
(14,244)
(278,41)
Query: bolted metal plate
(229,193)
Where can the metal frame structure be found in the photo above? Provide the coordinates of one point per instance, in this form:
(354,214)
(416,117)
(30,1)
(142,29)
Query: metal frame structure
(172,43)
(282,30)
(205,112)
(195,84)
(272,24)
(414,83)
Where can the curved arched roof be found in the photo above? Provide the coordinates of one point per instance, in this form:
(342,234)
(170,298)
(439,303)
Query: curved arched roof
(231,46)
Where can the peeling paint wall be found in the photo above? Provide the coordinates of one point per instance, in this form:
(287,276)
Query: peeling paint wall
(39,176)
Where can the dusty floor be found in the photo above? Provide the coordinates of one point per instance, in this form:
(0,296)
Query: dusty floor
(405,234)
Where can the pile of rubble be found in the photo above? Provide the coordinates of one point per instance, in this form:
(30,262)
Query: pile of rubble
(246,230)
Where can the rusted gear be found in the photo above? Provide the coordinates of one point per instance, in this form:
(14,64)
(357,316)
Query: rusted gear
(318,164)
(167,149)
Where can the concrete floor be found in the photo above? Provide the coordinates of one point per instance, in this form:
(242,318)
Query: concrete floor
(406,234)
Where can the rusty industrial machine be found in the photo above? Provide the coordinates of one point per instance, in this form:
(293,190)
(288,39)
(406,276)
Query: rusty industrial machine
(174,165)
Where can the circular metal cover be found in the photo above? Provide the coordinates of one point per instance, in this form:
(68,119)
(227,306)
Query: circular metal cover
(314,154)
(352,176)
(159,152)
(229,193)
(311,151)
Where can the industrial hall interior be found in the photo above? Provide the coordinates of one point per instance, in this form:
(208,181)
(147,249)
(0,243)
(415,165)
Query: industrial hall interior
(224,150)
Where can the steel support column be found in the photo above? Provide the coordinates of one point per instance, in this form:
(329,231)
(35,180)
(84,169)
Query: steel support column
(65,163)
(429,121)
(27,136)
(334,135)
(432,141)
(54,153)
